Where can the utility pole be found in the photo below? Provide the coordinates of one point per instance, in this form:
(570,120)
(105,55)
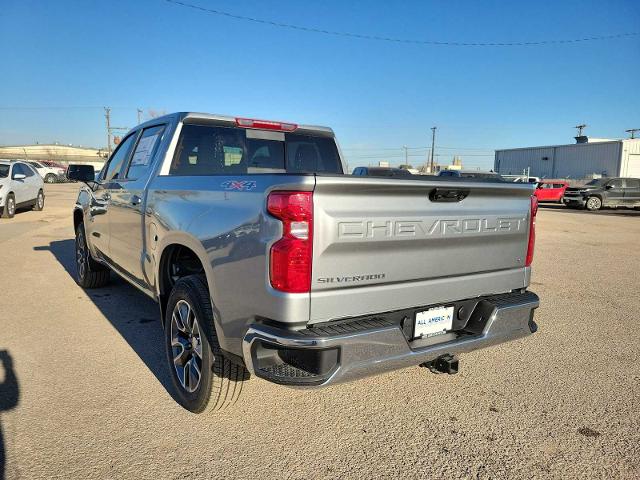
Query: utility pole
(107,115)
(433,146)
(110,129)
(139,116)
(406,155)
(580,128)
(633,131)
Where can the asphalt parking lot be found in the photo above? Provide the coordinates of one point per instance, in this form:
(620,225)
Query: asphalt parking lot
(85,391)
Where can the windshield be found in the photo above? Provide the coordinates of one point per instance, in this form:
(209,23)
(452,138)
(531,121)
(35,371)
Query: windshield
(208,150)
(4,170)
(597,181)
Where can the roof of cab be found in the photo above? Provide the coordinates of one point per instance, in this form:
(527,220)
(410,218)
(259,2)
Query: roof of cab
(195,117)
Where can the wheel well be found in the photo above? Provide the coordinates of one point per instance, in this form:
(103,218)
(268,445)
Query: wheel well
(177,261)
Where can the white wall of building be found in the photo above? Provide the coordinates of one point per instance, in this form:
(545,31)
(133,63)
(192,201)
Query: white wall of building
(581,160)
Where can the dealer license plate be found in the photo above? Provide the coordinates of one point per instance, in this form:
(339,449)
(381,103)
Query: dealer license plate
(432,322)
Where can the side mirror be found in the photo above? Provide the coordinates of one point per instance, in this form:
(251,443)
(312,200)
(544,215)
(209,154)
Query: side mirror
(608,187)
(81,173)
(19,176)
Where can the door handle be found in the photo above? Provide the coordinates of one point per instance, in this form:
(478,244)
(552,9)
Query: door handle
(448,195)
(136,200)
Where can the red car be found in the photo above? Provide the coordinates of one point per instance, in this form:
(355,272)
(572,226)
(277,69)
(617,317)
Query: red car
(551,190)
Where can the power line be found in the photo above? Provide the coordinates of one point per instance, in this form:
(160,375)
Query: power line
(394,39)
(60,107)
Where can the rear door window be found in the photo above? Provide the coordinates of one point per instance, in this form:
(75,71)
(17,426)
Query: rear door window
(209,150)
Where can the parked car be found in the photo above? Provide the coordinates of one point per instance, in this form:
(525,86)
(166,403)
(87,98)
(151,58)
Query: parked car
(387,172)
(51,163)
(471,174)
(551,191)
(266,259)
(20,186)
(604,192)
(49,174)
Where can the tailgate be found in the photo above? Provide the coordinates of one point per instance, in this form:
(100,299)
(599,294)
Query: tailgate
(386,244)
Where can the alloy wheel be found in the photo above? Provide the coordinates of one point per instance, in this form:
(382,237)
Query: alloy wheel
(186,345)
(40,200)
(593,203)
(11,206)
(81,259)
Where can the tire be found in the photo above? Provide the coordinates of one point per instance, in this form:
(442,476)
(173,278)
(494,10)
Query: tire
(89,273)
(50,178)
(9,209)
(39,205)
(593,203)
(203,378)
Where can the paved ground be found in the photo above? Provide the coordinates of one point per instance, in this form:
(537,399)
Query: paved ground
(84,392)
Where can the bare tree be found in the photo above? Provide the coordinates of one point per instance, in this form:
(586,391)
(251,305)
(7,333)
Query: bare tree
(155,113)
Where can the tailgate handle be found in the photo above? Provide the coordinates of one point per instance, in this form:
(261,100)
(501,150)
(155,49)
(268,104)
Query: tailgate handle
(448,195)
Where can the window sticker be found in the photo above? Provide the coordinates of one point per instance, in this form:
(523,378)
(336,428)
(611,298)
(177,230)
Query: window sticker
(144,150)
(232,156)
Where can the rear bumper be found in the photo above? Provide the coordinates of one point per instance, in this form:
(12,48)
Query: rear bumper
(344,351)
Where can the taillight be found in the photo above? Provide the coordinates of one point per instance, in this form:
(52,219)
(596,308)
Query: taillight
(265,124)
(290,258)
(532,230)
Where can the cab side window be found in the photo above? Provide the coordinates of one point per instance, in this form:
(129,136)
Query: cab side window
(617,183)
(118,158)
(142,158)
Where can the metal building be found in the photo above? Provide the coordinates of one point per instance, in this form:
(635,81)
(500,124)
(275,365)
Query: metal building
(588,158)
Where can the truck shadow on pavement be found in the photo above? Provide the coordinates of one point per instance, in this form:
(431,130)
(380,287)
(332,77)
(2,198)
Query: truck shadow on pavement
(134,315)
(9,399)
(620,212)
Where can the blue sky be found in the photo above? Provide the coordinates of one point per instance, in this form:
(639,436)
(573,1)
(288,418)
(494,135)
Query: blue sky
(376,95)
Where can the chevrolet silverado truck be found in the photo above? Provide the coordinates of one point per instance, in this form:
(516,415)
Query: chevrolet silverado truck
(266,259)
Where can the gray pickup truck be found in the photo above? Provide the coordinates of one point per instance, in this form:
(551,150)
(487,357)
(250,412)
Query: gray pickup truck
(267,259)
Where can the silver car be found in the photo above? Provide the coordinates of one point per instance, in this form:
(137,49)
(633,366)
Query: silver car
(20,186)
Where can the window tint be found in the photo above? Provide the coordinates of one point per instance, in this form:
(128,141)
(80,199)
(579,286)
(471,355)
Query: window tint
(558,185)
(118,158)
(22,169)
(204,150)
(4,170)
(27,170)
(633,183)
(307,154)
(17,169)
(145,150)
(617,183)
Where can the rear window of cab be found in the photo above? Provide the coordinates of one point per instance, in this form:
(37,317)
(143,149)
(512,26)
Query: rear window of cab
(214,150)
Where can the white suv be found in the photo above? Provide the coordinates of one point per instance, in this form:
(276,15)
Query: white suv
(20,186)
(50,174)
